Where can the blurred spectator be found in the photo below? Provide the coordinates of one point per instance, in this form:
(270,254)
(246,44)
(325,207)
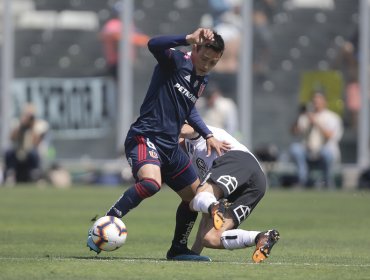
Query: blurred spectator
(218,8)
(220,111)
(262,36)
(22,160)
(226,20)
(347,62)
(321,131)
(111,36)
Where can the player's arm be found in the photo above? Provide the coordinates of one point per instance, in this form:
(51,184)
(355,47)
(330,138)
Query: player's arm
(201,36)
(161,46)
(199,126)
(188,132)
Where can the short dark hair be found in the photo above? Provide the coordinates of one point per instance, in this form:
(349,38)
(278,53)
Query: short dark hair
(218,44)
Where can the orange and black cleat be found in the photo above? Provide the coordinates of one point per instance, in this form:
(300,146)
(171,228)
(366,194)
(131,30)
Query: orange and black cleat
(217,211)
(264,242)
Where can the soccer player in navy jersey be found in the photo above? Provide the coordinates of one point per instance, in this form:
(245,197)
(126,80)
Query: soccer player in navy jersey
(151,145)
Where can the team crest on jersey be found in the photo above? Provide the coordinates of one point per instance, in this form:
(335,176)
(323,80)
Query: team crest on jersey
(201,89)
(153,154)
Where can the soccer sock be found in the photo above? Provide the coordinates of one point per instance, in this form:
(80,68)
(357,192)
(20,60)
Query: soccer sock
(185,220)
(238,238)
(202,201)
(133,196)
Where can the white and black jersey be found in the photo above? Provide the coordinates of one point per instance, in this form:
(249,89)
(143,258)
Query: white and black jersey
(197,150)
(237,172)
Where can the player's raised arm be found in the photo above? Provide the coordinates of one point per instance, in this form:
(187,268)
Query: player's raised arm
(161,46)
(201,36)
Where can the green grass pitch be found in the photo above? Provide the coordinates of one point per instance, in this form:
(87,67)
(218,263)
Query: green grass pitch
(324,235)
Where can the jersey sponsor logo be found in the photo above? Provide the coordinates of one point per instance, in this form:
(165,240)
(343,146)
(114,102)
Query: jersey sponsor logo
(229,182)
(242,212)
(185,92)
(153,154)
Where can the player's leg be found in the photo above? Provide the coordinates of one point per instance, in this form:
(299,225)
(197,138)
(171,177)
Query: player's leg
(145,164)
(147,184)
(225,238)
(231,238)
(183,179)
(143,157)
(207,201)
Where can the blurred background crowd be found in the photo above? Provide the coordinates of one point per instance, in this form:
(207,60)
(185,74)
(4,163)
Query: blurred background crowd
(65,74)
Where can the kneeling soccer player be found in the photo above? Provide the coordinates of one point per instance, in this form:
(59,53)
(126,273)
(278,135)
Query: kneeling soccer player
(233,185)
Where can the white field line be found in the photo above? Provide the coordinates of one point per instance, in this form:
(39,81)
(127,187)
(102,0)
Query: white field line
(165,261)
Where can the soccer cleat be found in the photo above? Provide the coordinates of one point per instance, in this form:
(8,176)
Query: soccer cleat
(90,243)
(182,253)
(264,243)
(217,211)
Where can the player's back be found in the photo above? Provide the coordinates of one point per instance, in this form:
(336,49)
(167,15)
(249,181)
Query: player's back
(197,149)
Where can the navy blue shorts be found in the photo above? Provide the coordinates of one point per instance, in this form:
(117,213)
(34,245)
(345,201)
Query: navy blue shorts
(176,168)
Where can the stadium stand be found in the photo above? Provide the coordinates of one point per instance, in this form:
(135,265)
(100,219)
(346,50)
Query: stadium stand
(304,40)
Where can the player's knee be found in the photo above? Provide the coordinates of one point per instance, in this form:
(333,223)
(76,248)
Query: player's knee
(147,187)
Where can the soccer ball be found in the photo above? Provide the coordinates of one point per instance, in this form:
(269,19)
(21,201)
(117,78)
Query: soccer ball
(109,233)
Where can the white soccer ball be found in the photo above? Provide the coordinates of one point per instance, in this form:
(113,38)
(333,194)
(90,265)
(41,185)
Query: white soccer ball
(109,233)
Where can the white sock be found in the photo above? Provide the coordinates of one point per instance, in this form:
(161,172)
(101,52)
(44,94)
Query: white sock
(238,238)
(202,201)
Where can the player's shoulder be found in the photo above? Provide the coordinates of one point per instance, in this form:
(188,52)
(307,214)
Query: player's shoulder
(181,57)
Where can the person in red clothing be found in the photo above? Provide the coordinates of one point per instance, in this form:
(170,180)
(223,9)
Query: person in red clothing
(111,35)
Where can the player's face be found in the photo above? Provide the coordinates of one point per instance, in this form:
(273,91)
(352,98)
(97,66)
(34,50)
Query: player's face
(204,59)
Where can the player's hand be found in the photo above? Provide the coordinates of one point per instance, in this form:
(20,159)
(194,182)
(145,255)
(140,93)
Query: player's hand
(220,147)
(200,36)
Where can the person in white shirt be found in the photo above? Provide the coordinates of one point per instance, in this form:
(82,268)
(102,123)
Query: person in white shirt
(320,130)
(220,111)
(232,185)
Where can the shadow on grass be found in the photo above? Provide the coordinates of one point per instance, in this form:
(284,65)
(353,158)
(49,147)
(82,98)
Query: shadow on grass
(104,258)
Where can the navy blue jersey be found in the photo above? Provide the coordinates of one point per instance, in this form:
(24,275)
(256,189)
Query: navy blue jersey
(171,96)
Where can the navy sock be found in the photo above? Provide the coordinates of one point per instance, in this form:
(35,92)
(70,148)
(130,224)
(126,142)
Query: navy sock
(129,200)
(133,196)
(185,220)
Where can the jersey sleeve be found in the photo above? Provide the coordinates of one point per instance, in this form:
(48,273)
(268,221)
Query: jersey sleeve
(161,46)
(197,123)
